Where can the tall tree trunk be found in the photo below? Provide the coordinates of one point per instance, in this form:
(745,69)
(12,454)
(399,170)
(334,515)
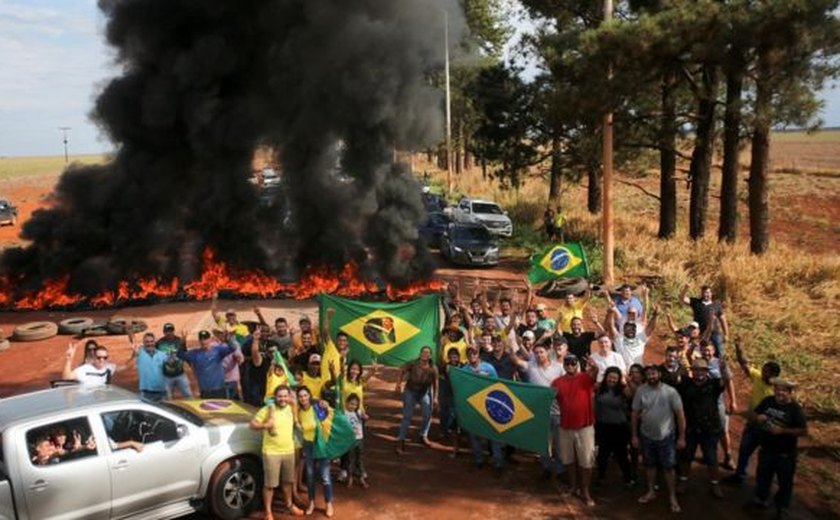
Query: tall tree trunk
(700,170)
(556,171)
(668,157)
(467,155)
(759,159)
(483,168)
(430,156)
(593,193)
(728,227)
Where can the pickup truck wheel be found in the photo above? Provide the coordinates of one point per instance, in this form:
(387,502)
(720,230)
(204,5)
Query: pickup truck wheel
(236,489)
(35,330)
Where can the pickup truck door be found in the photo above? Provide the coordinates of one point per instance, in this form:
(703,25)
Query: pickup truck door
(166,471)
(75,486)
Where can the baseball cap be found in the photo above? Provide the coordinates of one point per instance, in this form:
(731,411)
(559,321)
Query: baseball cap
(204,335)
(785,383)
(304,318)
(314,358)
(229,312)
(700,364)
(570,358)
(528,334)
(693,325)
(541,307)
(168,327)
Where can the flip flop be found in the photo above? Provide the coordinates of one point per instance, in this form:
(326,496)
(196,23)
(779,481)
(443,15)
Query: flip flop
(675,508)
(644,499)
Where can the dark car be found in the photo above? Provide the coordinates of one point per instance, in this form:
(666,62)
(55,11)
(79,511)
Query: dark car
(8,213)
(434,227)
(469,243)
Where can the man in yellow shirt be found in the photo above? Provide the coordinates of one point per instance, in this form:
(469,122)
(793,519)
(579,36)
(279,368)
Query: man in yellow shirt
(229,322)
(761,388)
(571,308)
(278,449)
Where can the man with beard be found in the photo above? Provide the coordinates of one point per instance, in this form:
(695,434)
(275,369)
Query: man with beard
(307,348)
(173,367)
(206,362)
(700,396)
(674,370)
(500,359)
(630,344)
(298,341)
(531,325)
(710,316)
(580,342)
(658,425)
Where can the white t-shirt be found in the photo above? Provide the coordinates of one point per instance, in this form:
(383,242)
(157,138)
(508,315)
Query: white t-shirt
(355,419)
(612,359)
(89,375)
(632,350)
(544,376)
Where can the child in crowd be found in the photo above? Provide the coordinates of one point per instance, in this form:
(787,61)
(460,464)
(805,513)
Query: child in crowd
(356,467)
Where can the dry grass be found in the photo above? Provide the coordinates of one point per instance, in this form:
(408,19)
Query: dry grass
(17,167)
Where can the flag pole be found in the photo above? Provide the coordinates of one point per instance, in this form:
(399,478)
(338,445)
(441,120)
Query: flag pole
(448,104)
(607,217)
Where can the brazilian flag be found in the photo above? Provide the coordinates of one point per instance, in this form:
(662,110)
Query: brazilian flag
(512,413)
(559,261)
(334,434)
(391,333)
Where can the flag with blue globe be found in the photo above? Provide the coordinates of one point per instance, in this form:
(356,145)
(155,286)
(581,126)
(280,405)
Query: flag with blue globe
(559,261)
(506,411)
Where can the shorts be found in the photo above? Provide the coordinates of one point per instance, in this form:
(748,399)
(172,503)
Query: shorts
(708,443)
(578,445)
(278,469)
(724,417)
(662,454)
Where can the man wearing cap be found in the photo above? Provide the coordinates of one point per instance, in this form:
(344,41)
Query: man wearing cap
(782,422)
(305,325)
(501,360)
(709,314)
(571,308)
(761,387)
(206,362)
(700,396)
(477,366)
(314,378)
(229,322)
(575,391)
(630,342)
(543,320)
(150,360)
(623,302)
(658,424)
(453,337)
(173,368)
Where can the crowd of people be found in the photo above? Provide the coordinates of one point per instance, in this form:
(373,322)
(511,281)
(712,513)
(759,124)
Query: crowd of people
(613,401)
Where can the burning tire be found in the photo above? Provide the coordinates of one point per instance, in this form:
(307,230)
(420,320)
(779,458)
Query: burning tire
(4,345)
(121,325)
(565,286)
(35,331)
(74,325)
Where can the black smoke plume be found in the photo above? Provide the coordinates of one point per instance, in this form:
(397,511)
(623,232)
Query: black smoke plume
(334,85)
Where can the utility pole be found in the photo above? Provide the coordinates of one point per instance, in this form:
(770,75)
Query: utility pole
(607,215)
(64,131)
(448,105)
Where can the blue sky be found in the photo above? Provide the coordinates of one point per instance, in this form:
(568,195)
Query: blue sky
(52,64)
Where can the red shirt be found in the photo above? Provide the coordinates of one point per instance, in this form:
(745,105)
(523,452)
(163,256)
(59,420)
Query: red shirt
(574,395)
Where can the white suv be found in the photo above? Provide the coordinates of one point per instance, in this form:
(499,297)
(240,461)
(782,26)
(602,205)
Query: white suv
(485,212)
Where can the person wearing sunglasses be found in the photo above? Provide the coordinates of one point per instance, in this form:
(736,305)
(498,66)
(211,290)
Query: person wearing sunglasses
(96,371)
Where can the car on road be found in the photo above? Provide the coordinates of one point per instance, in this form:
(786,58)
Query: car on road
(434,227)
(484,212)
(8,213)
(469,243)
(73,452)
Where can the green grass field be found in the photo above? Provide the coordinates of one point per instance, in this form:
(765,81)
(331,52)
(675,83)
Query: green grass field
(18,167)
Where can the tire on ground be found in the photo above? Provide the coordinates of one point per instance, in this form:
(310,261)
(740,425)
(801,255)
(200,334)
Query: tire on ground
(563,287)
(35,331)
(74,325)
(235,488)
(122,325)
(4,345)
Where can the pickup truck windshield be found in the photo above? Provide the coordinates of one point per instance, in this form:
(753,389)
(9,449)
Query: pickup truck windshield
(481,207)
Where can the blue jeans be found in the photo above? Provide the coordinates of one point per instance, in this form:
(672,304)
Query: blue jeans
(750,439)
(780,465)
(319,467)
(182,383)
(410,400)
(717,341)
(553,457)
(232,390)
(478,444)
(153,395)
(661,454)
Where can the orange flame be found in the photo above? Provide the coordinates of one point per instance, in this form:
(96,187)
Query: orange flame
(216,277)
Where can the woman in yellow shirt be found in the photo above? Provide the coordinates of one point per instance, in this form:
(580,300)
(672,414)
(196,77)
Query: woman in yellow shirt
(308,421)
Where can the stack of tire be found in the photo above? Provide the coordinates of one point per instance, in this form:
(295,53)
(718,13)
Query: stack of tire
(79,326)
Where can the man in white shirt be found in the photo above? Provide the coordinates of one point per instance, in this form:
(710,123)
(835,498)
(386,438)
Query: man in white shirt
(605,357)
(630,343)
(97,372)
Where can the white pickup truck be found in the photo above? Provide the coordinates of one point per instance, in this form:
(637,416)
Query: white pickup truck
(102,453)
(485,212)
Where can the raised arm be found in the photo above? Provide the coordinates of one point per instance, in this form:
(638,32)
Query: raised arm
(650,326)
(67,372)
(325,327)
(256,356)
(743,362)
(645,300)
(214,307)
(529,297)
(684,295)
(671,324)
(598,325)
(260,316)
(612,314)
(724,322)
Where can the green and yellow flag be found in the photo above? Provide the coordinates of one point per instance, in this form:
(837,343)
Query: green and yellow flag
(334,435)
(505,411)
(391,333)
(559,261)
